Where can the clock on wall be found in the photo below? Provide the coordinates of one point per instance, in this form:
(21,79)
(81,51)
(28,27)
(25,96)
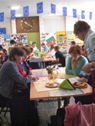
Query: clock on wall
(27,24)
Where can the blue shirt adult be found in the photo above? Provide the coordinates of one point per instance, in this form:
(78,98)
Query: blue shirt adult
(90,45)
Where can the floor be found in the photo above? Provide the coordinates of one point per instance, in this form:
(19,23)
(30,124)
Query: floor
(46,108)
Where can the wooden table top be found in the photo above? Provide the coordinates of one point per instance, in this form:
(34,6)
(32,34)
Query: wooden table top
(34,94)
(43,60)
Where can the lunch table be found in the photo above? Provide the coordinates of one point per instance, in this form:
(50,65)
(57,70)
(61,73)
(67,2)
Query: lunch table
(41,61)
(37,95)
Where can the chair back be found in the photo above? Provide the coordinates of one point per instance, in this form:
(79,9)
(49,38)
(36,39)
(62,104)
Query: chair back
(93,86)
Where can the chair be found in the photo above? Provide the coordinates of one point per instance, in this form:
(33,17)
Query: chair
(77,115)
(4,105)
(93,85)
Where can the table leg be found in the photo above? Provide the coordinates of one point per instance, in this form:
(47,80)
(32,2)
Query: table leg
(66,101)
(59,103)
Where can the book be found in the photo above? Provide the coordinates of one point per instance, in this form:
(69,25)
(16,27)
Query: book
(66,84)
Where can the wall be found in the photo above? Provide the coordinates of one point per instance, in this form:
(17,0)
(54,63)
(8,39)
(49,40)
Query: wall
(7,24)
(47,24)
(52,24)
(34,37)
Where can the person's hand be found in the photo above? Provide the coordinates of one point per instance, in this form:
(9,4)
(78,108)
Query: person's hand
(87,68)
(30,72)
(73,59)
(52,61)
(82,79)
(34,77)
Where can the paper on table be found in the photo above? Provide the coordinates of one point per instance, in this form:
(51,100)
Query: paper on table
(61,73)
(73,80)
(40,86)
(66,92)
(42,79)
(60,80)
(40,73)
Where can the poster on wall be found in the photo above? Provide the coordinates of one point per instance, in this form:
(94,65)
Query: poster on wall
(61,39)
(1,39)
(72,37)
(22,37)
(48,38)
(7,37)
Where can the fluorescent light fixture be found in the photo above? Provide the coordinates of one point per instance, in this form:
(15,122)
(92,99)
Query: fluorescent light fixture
(15,7)
(18,15)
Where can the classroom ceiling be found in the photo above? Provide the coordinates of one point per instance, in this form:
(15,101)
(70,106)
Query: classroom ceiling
(5,6)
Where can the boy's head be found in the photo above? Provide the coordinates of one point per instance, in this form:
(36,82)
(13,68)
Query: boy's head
(43,45)
(33,44)
(56,48)
(12,42)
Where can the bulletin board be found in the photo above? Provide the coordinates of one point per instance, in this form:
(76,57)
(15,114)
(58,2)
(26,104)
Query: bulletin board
(72,37)
(21,36)
(61,39)
(1,39)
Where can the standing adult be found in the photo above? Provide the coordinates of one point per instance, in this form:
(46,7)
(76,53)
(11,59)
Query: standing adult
(82,31)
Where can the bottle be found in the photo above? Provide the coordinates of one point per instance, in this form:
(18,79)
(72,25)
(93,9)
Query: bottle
(37,52)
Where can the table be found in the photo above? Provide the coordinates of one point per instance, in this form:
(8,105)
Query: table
(41,61)
(34,95)
(44,59)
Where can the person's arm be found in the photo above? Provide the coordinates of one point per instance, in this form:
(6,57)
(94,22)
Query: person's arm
(56,60)
(77,69)
(15,74)
(87,68)
(68,68)
(57,57)
(91,48)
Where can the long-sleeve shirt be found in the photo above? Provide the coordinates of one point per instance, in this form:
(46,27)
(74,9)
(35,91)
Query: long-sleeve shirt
(90,45)
(24,68)
(9,73)
(77,69)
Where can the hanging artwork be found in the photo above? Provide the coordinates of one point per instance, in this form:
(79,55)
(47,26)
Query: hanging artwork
(61,39)
(48,38)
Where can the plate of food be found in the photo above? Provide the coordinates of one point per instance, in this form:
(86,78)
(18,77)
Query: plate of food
(51,84)
(80,84)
